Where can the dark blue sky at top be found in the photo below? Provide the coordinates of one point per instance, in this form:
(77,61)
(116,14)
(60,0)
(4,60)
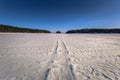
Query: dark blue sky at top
(61,14)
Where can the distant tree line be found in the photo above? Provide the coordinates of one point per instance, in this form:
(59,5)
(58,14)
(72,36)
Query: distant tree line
(58,32)
(94,31)
(8,28)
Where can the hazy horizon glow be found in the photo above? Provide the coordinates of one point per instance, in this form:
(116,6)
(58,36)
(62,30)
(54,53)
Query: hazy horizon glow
(60,14)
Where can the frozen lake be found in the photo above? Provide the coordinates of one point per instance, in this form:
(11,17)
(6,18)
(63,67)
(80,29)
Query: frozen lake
(59,56)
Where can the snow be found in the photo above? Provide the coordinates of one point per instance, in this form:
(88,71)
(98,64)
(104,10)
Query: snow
(26,56)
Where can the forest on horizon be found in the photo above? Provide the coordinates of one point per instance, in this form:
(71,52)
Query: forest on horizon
(8,28)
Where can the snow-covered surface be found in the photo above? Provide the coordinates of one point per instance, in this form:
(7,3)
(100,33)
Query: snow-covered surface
(59,56)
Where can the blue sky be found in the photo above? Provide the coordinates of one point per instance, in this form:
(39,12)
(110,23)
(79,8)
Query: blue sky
(61,15)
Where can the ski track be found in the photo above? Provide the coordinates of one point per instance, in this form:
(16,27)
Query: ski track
(59,56)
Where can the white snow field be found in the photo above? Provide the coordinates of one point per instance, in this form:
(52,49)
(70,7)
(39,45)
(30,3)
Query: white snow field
(25,56)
